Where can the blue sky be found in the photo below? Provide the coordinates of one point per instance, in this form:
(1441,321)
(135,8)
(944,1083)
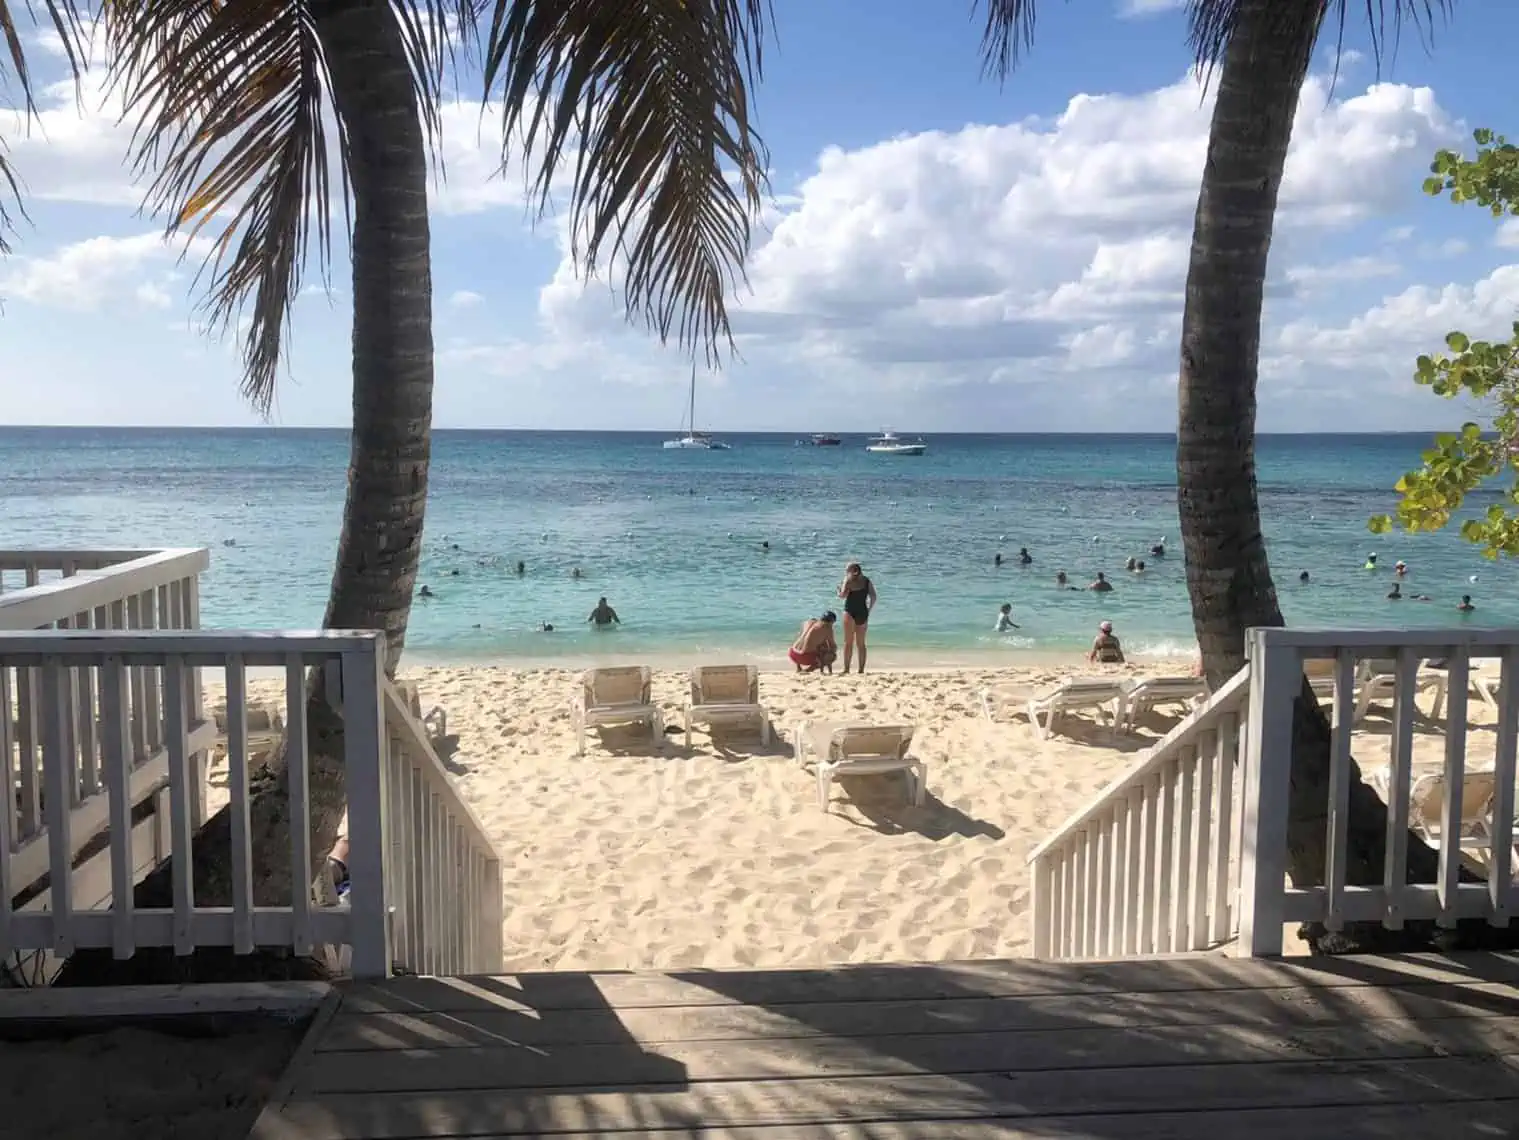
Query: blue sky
(942,254)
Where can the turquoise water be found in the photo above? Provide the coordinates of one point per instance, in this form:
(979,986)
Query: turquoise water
(673,538)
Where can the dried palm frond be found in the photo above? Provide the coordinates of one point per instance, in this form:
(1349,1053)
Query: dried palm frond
(228,102)
(652,96)
(68,20)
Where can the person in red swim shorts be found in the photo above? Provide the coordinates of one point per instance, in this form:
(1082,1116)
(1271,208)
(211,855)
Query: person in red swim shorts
(815,647)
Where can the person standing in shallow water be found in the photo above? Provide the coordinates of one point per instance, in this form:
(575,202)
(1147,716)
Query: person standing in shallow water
(859,595)
(604,616)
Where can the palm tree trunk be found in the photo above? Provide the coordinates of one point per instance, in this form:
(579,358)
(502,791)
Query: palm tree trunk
(376,100)
(1228,577)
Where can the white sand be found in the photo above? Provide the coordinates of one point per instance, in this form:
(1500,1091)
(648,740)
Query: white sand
(638,857)
(720,856)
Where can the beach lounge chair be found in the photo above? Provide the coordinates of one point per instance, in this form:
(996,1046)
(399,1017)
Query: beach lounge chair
(614,695)
(435,721)
(1105,695)
(1379,678)
(1426,803)
(725,694)
(266,728)
(859,750)
(1153,692)
(1320,674)
(1482,681)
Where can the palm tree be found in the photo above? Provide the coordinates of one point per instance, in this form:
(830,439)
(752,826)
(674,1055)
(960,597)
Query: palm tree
(1260,51)
(233,105)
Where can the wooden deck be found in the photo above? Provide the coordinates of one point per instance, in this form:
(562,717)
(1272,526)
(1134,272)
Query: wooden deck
(1226,1049)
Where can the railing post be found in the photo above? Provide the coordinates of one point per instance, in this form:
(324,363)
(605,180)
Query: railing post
(1276,678)
(364,755)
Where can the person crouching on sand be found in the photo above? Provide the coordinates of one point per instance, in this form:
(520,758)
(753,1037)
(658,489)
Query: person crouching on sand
(815,647)
(1105,647)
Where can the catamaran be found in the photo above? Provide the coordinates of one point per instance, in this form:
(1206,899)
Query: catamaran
(890,443)
(691,439)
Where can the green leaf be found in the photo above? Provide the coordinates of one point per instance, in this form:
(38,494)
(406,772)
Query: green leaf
(1379,524)
(1457,342)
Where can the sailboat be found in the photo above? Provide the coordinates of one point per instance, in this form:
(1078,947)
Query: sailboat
(693,440)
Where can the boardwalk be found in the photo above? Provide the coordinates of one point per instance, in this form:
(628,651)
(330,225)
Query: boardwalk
(1181,1048)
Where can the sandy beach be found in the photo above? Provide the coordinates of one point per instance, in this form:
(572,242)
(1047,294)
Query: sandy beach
(632,857)
(655,856)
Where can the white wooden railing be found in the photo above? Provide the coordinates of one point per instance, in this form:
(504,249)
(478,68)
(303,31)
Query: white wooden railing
(91,590)
(1188,849)
(101,589)
(1278,657)
(1149,866)
(426,881)
(442,873)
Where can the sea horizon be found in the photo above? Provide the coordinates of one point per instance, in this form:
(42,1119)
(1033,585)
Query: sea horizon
(676,539)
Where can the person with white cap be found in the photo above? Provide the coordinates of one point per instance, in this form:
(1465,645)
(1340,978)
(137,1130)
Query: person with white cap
(1106,649)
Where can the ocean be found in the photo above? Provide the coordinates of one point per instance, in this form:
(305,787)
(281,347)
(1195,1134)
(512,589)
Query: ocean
(674,539)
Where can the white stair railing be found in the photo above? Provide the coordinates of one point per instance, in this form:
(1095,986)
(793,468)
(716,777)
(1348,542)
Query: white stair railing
(442,873)
(1370,665)
(1150,865)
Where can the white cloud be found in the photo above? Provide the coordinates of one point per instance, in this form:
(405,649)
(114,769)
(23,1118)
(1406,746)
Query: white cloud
(465,299)
(87,275)
(1508,234)
(999,254)
(1388,337)
(1133,9)
(1338,272)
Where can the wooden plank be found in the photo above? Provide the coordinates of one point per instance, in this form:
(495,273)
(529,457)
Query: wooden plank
(1279,1007)
(508,1065)
(1388,1122)
(129,1002)
(1015,977)
(384,1116)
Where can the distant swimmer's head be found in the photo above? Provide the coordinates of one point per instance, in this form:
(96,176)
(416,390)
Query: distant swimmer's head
(1303,577)
(425,592)
(1006,608)
(1106,627)
(1101,577)
(1140,565)
(765,545)
(1396,591)
(852,568)
(1060,577)
(1371,562)
(1022,550)
(601,601)
(829,617)
(1400,567)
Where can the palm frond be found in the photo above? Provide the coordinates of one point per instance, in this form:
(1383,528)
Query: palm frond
(227,101)
(67,18)
(652,96)
(1009,32)
(1212,22)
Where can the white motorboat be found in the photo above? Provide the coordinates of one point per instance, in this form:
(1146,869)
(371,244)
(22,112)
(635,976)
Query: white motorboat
(890,443)
(691,439)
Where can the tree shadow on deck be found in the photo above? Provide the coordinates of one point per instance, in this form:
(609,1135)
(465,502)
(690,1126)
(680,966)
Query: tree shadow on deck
(1194,1047)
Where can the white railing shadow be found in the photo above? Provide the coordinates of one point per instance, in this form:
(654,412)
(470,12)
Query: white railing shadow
(1149,865)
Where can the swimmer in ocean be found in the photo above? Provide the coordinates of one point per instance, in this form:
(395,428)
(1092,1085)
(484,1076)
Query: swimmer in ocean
(1303,577)
(604,616)
(1024,557)
(1466,606)
(1101,585)
(1005,618)
(426,592)
(1371,562)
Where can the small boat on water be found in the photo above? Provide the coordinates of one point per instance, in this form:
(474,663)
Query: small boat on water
(890,443)
(691,439)
(823,439)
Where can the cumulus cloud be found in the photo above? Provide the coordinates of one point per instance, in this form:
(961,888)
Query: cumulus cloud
(465,299)
(100,271)
(1003,253)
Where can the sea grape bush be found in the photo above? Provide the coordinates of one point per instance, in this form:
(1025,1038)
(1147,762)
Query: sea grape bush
(1486,371)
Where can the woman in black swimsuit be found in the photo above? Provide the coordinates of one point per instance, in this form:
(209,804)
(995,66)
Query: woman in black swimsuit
(859,595)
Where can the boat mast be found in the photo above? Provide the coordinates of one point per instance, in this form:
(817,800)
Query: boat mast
(692,413)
